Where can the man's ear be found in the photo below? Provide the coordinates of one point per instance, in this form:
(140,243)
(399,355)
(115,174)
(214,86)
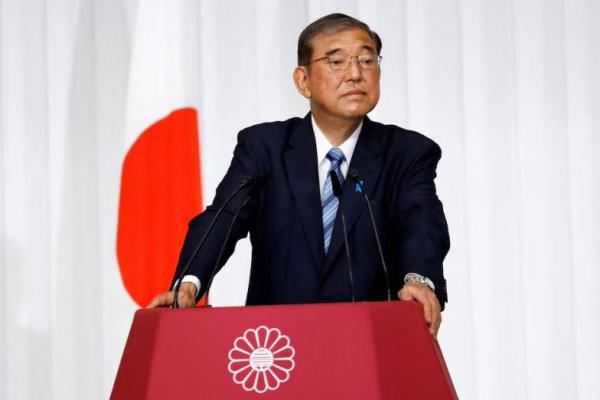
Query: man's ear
(302,81)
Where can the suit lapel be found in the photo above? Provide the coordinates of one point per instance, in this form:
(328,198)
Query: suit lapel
(367,160)
(300,160)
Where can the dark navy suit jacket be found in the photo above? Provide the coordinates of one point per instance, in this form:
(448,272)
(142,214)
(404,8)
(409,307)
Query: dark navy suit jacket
(284,219)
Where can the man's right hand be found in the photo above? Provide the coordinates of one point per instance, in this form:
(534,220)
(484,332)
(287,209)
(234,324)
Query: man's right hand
(186,297)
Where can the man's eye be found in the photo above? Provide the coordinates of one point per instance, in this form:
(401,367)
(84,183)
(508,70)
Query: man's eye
(367,60)
(336,60)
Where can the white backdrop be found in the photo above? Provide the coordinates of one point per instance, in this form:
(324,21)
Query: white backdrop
(509,89)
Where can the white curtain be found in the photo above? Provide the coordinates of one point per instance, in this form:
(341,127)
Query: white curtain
(509,89)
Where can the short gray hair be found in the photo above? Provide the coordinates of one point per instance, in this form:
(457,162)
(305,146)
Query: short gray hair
(330,24)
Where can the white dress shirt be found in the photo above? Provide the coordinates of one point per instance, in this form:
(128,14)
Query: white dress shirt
(323,147)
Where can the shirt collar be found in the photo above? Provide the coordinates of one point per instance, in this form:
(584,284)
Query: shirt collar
(323,145)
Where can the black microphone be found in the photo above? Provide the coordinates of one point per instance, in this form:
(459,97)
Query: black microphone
(245,182)
(353,174)
(338,192)
(214,270)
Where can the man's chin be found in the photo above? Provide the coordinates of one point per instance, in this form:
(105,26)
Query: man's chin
(358,112)
(350,112)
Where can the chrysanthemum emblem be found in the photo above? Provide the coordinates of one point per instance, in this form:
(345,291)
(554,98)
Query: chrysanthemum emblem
(261,359)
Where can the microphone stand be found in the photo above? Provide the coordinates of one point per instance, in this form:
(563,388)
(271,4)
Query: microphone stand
(244,183)
(356,179)
(337,191)
(214,271)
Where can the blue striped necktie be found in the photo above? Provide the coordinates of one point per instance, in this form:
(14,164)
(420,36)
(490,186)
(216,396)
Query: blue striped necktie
(329,203)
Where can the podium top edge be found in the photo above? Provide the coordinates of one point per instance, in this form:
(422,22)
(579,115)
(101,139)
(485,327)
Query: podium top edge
(363,305)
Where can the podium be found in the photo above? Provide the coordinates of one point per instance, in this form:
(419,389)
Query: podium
(367,350)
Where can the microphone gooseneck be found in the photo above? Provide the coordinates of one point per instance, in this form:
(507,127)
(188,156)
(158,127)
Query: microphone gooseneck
(245,182)
(214,270)
(354,175)
(337,191)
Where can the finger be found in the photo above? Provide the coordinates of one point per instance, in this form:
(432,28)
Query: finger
(422,295)
(436,317)
(166,300)
(162,300)
(154,302)
(427,309)
(405,294)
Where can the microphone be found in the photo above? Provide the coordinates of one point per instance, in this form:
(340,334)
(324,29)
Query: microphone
(245,182)
(353,174)
(214,271)
(337,191)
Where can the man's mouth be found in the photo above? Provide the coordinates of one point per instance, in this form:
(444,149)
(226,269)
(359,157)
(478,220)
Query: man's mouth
(354,92)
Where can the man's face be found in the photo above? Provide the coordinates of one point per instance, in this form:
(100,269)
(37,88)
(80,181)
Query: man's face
(350,93)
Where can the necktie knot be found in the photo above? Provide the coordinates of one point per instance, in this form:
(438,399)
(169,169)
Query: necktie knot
(335,155)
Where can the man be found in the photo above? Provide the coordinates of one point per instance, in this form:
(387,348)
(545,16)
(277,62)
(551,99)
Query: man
(292,215)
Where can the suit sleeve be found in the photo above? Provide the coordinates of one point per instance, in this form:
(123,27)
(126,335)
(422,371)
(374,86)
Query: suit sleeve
(242,166)
(421,228)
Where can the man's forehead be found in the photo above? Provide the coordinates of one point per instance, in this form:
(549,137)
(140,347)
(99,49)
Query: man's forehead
(355,39)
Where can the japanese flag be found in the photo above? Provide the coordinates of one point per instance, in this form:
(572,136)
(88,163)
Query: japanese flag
(160,180)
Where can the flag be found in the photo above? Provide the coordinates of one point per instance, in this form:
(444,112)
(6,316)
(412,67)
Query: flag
(160,187)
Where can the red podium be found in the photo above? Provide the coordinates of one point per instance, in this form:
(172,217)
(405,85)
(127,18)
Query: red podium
(378,350)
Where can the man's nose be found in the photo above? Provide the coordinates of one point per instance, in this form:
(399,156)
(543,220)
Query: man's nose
(354,69)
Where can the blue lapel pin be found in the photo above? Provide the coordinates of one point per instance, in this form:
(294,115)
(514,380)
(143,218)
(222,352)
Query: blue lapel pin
(357,187)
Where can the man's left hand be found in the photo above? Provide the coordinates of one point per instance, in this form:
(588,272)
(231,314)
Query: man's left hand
(431,305)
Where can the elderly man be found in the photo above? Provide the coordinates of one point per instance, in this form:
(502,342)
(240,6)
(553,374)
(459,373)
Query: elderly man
(291,212)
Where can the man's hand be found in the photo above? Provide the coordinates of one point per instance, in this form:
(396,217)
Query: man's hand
(431,305)
(186,297)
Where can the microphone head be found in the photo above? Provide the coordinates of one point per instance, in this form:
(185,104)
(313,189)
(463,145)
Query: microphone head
(354,175)
(335,183)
